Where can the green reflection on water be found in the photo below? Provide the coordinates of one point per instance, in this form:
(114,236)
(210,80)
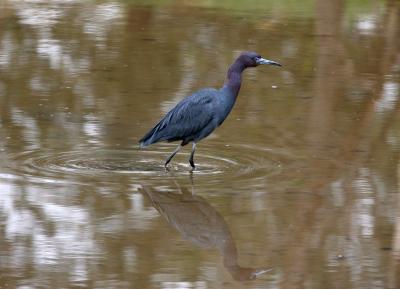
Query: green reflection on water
(305,174)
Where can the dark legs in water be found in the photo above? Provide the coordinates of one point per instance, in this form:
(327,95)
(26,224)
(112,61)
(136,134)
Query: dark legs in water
(172,155)
(191,161)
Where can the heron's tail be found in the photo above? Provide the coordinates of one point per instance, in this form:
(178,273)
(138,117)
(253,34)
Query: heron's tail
(147,139)
(151,137)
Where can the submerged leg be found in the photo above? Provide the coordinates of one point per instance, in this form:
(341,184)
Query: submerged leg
(172,155)
(191,161)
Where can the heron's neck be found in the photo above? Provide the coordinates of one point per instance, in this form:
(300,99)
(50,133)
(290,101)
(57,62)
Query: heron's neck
(234,78)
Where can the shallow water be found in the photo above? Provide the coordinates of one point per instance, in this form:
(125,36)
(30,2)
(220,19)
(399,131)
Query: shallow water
(302,178)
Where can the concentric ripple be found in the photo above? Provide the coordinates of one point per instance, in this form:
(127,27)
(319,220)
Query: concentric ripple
(104,164)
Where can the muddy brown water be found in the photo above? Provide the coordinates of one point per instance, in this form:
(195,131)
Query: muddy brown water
(302,178)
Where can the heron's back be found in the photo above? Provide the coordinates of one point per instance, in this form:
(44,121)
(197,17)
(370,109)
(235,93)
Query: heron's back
(193,118)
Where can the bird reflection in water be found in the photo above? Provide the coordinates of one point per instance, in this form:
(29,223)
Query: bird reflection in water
(198,222)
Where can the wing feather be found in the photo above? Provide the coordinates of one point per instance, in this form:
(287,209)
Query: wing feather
(186,120)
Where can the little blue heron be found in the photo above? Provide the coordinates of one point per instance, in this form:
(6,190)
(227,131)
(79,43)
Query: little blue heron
(199,114)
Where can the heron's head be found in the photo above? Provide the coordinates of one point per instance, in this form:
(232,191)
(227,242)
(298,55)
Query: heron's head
(253,59)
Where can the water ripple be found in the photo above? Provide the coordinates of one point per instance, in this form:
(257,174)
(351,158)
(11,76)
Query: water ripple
(103,164)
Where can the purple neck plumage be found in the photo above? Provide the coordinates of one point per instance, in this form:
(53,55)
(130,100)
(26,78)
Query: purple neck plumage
(234,77)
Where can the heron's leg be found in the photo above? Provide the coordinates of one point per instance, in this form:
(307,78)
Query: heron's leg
(172,155)
(191,161)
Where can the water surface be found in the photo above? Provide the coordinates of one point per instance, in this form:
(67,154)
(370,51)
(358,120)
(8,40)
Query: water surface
(302,178)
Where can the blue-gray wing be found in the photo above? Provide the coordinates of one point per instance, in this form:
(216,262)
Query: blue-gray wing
(191,118)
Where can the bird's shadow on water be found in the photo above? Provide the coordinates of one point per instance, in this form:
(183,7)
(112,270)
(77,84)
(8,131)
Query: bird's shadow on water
(199,223)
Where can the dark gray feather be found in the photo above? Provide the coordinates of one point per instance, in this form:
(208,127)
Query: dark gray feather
(187,120)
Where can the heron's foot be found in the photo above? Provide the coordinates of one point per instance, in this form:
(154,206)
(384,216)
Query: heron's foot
(192,164)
